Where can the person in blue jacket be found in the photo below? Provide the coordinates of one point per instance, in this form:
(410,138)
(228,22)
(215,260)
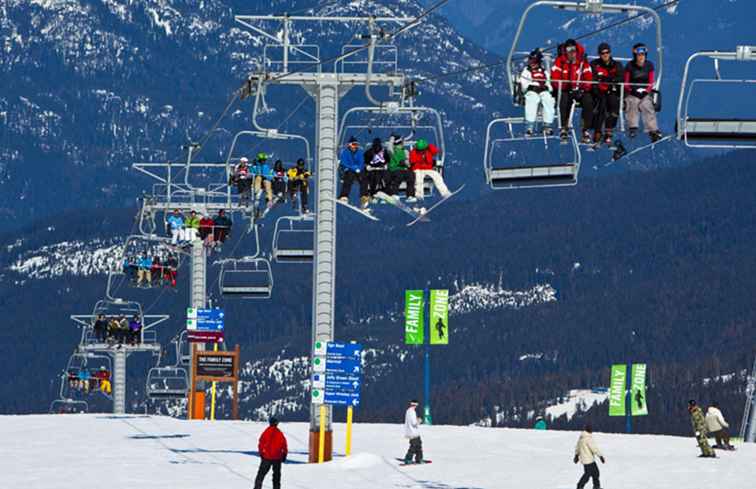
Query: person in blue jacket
(352,166)
(540,423)
(176,226)
(144,269)
(263,175)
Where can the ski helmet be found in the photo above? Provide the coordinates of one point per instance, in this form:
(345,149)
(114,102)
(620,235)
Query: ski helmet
(535,56)
(639,48)
(604,47)
(300,163)
(262,156)
(421,144)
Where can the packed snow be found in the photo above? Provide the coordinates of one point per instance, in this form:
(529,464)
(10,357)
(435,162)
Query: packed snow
(149,452)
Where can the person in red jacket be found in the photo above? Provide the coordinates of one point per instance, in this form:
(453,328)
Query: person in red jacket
(273,452)
(423,163)
(608,74)
(571,76)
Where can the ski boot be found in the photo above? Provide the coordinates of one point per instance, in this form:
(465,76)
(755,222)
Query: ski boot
(619,152)
(608,137)
(632,132)
(564,136)
(411,200)
(586,139)
(529,132)
(655,136)
(548,131)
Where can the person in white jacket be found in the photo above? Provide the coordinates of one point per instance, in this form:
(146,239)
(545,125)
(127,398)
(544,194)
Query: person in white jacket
(535,82)
(586,452)
(412,432)
(717,426)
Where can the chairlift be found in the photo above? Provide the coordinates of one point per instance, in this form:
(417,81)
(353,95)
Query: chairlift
(69,406)
(590,7)
(115,307)
(522,174)
(167,383)
(134,247)
(416,121)
(292,244)
(246,278)
(715,132)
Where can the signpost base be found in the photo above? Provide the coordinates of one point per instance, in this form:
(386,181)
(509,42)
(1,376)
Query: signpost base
(198,405)
(315,444)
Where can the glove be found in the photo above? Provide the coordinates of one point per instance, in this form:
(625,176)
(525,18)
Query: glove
(603,460)
(575,459)
(641,92)
(283,460)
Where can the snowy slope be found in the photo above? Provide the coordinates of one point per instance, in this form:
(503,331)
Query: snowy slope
(74,451)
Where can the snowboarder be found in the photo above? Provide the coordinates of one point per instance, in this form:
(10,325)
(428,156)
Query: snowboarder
(351,164)
(299,182)
(273,451)
(586,452)
(399,170)
(145,270)
(242,178)
(609,75)
(263,176)
(540,423)
(279,180)
(699,428)
(176,226)
(100,328)
(639,85)
(535,82)
(717,426)
(191,226)
(423,162)
(440,327)
(571,77)
(412,432)
(376,164)
(221,228)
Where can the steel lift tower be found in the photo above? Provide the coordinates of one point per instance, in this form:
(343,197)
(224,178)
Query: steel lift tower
(326,88)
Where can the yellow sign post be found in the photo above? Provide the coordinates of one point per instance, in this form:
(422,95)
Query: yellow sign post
(212,401)
(321,441)
(349,431)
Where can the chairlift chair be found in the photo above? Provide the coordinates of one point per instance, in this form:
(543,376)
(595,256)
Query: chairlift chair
(715,132)
(408,130)
(246,278)
(498,176)
(167,383)
(69,406)
(292,245)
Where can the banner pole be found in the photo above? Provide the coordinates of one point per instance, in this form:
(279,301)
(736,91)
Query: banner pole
(349,431)
(212,396)
(629,399)
(321,438)
(427,419)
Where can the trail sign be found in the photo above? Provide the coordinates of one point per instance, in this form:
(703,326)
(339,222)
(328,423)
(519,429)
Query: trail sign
(617,390)
(205,325)
(638,390)
(414,320)
(439,317)
(337,378)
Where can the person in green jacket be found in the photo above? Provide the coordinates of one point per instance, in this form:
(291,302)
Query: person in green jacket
(191,225)
(698,420)
(540,423)
(399,169)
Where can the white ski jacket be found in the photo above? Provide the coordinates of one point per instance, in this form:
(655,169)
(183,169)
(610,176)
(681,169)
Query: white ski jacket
(540,78)
(586,449)
(714,420)
(411,424)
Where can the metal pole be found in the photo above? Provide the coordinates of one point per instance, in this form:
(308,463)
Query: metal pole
(427,419)
(197,296)
(629,399)
(324,266)
(119,381)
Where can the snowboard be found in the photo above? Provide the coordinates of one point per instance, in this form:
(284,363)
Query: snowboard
(358,210)
(396,202)
(403,464)
(640,148)
(423,214)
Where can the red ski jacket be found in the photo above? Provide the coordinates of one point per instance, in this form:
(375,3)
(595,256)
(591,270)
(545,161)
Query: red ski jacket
(423,160)
(576,74)
(272,445)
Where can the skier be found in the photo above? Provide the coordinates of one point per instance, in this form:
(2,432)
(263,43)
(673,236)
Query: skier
(191,226)
(221,228)
(440,326)
(639,85)
(352,162)
(540,423)
(273,452)
(571,76)
(376,164)
(263,176)
(699,427)
(609,75)
(279,181)
(586,452)
(717,426)
(103,376)
(299,181)
(536,86)
(170,270)
(100,328)
(399,169)
(135,330)
(412,432)
(145,270)
(423,163)
(176,225)
(243,180)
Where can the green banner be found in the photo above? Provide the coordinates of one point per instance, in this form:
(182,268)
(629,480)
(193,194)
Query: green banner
(439,317)
(413,317)
(617,390)
(638,390)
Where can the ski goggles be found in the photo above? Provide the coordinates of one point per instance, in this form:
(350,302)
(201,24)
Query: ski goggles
(605,51)
(641,50)
(570,49)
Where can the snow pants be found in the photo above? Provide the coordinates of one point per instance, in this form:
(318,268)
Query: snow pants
(438,181)
(703,444)
(590,471)
(722,438)
(265,466)
(146,275)
(375,180)
(396,178)
(635,108)
(348,178)
(301,186)
(607,112)
(565,108)
(261,183)
(532,101)
(279,187)
(415,449)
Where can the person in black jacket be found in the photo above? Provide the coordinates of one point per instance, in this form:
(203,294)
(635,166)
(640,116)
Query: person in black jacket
(376,165)
(608,74)
(639,85)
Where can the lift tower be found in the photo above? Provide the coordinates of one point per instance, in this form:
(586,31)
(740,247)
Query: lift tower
(326,88)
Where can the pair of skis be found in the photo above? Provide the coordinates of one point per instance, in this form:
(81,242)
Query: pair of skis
(418,216)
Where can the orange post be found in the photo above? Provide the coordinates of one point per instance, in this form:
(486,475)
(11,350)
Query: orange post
(198,405)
